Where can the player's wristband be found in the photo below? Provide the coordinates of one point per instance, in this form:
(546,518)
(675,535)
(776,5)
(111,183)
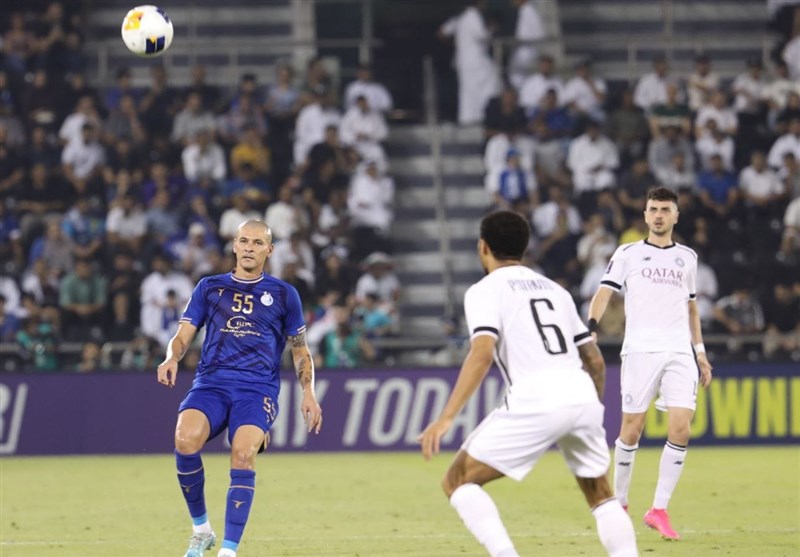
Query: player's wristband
(592,325)
(700,348)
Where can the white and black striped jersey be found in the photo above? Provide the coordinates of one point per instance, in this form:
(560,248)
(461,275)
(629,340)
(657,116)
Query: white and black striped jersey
(658,284)
(538,331)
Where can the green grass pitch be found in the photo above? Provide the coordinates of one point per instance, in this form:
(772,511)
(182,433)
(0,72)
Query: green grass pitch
(730,502)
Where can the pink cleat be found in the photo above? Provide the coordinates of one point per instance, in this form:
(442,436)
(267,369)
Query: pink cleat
(658,519)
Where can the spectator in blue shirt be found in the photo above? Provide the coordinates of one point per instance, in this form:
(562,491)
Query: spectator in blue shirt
(557,117)
(718,189)
(84,229)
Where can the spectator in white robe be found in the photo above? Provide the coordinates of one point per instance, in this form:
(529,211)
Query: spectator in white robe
(702,83)
(478,79)
(192,119)
(378,96)
(791,55)
(652,87)
(371,198)
(154,289)
(585,94)
(312,121)
(776,93)
(592,159)
(787,143)
(294,249)
(719,111)
(364,129)
(530,27)
(717,143)
(497,148)
(539,83)
(204,158)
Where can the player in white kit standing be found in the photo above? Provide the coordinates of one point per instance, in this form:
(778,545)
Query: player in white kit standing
(554,374)
(662,354)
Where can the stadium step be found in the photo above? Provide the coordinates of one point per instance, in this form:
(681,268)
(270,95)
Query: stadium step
(611,31)
(416,230)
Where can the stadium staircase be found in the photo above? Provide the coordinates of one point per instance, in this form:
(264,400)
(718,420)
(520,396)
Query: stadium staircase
(419,262)
(230,38)
(729,31)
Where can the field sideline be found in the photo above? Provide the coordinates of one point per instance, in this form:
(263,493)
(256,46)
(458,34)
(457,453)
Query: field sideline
(731,502)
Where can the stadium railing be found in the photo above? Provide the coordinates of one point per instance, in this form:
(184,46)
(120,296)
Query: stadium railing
(718,346)
(639,50)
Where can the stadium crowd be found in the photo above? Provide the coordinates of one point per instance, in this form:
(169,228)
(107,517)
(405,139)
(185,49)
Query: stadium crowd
(578,156)
(115,202)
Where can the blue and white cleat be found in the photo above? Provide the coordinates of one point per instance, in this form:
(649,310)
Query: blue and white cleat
(199,543)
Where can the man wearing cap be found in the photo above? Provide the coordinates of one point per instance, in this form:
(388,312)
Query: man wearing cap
(378,279)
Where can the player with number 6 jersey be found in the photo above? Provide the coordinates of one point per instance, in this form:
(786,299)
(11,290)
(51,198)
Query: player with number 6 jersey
(554,376)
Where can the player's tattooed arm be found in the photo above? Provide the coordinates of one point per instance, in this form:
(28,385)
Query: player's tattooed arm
(298,341)
(303,363)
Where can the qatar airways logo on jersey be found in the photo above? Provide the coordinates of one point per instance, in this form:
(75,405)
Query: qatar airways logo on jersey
(239,327)
(663,275)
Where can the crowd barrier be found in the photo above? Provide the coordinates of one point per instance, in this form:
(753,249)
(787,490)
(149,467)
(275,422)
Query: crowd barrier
(363,410)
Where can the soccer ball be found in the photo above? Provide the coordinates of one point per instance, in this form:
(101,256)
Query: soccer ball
(147,31)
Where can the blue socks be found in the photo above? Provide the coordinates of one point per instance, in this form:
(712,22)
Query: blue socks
(192,481)
(240,499)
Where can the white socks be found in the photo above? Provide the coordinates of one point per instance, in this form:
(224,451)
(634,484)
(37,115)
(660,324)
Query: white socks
(481,517)
(623,469)
(226,553)
(615,529)
(204,528)
(669,472)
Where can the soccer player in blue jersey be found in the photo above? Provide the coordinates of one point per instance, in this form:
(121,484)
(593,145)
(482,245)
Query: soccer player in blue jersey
(248,316)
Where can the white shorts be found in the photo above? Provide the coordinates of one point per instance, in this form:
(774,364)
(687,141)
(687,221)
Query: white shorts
(670,375)
(511,441)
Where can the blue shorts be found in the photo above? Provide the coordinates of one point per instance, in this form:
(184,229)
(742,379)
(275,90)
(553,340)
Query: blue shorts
(232,407)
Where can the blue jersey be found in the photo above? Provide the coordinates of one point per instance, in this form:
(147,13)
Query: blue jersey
(247,322)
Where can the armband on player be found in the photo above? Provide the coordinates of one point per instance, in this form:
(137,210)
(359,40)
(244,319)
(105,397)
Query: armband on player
(592,325)
(699,348)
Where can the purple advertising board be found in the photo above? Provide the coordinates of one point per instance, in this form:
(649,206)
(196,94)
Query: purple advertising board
(363,410)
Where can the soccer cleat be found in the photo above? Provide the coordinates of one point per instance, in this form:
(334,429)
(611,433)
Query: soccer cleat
(226,553)
(199,542)
(658,520)
(625,508)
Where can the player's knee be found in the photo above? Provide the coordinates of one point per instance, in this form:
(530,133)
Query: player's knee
(188,442)
(630,436)
(452,480)
(679,434)
(243,458)
(631,431)
(449,483)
